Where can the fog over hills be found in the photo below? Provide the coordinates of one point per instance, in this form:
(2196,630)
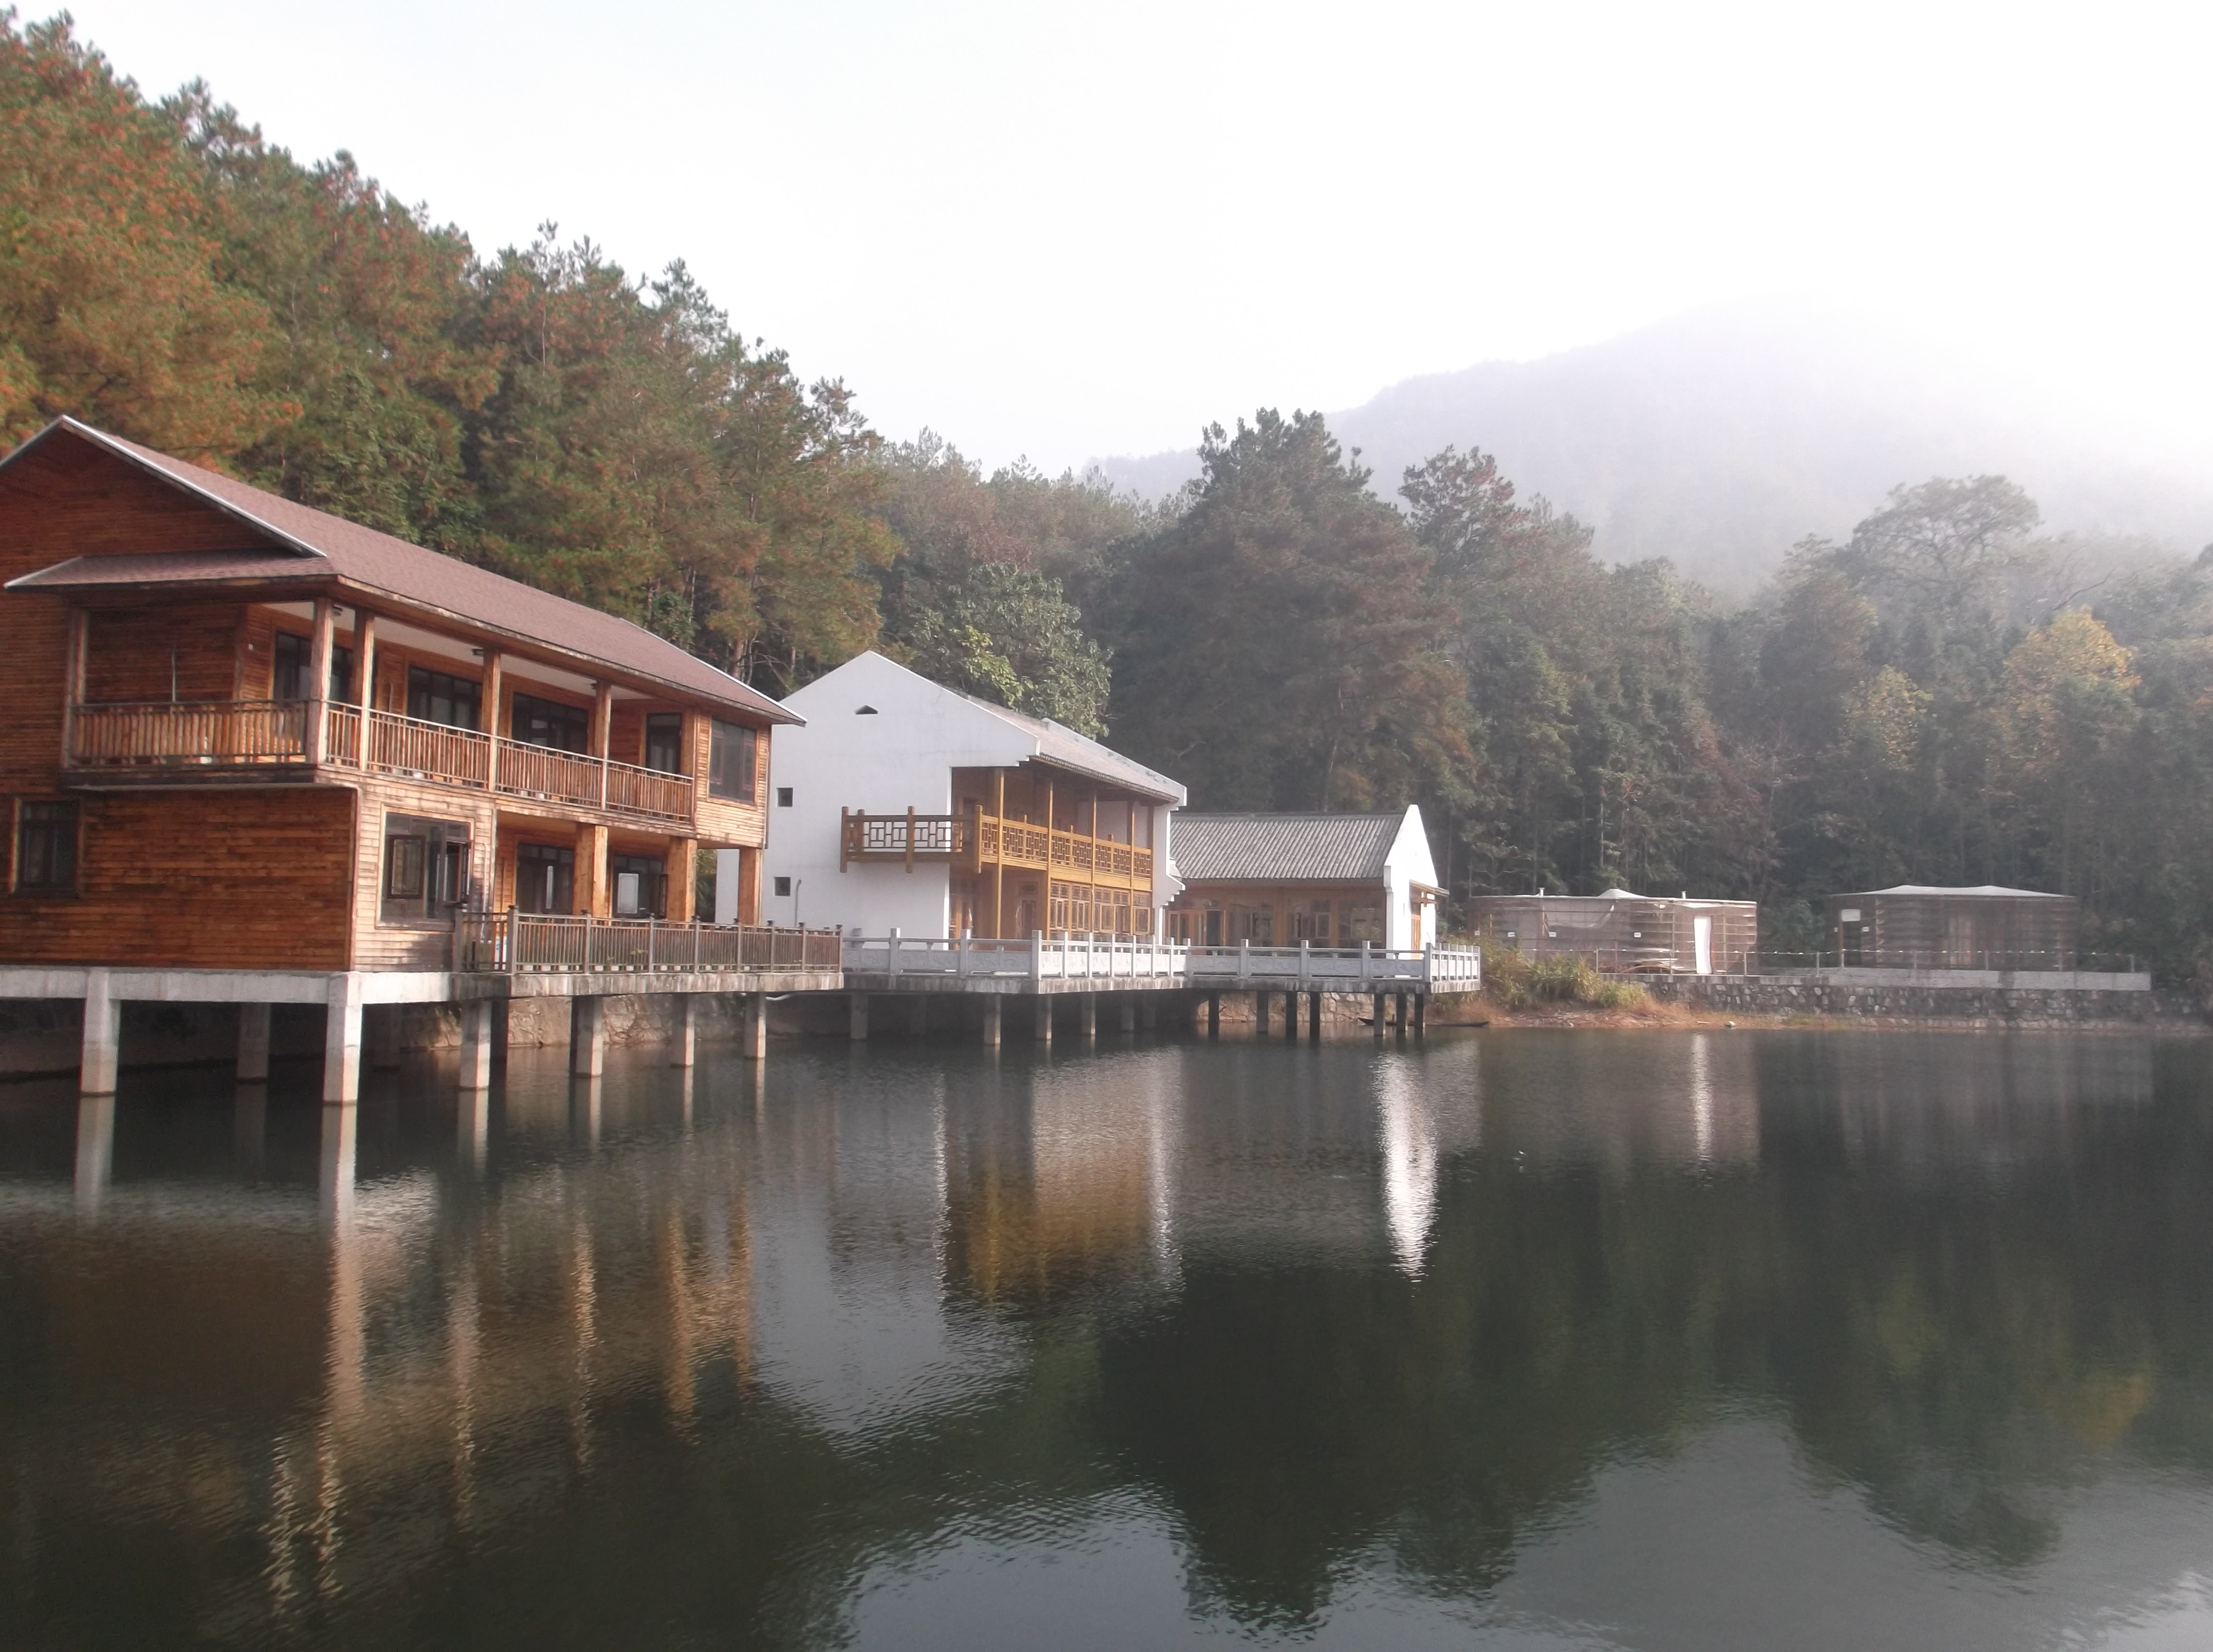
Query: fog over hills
(1722,438)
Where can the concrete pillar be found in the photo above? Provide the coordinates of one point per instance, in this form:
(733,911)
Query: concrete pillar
(1087,1012)
(342,1040)
(103,1037)
(756,1033)
(1421,1013)
(472,1128)
(1260,1013)
(584,1108)
(380,1027)
(858,1029)
(683,1043)
(334,1181)
(587,1036)
(249,1127)
(1398,1016)
(1291,1015)
(95,1150)
(1044,1019)
(1129,1001)
(1214,1014)
(477,1027)
(1380,1016)
(252,1043)
(990,1020)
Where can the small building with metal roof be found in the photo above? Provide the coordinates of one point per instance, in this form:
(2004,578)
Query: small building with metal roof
(1330,880)
(1619,930)
(1985,926)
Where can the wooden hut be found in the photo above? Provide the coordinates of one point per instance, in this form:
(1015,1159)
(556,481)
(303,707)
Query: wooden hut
(1916,926)
(1651,934)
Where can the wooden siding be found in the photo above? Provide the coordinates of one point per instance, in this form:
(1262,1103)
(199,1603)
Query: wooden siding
(1280,903)
(129,653)
(199,881)
(722,823)
(421,944)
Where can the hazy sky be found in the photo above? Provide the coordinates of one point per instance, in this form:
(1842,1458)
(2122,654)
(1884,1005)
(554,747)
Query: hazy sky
(1079,231)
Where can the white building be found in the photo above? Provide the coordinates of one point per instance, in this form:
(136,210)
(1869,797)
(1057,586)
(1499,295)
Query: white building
(905,805)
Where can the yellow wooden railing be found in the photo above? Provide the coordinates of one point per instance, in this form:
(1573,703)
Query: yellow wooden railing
(975,841)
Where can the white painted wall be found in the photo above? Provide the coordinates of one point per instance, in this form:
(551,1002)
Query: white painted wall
(900,758)
(1408,863)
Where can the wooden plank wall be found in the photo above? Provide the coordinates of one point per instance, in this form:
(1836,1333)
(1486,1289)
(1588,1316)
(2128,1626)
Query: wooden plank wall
(722,823)
(379,945)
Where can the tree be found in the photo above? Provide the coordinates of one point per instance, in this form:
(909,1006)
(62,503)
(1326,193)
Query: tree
(1005,631)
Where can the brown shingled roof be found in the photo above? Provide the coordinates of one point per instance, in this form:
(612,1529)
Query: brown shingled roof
(373,564)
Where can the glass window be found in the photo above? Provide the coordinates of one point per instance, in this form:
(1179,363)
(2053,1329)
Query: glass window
(641,886)
(426,868)
(436,697)
(664,741)
(536,722)
(731,756)
(45,849)
(295,662)
(1359,924)
(545,878)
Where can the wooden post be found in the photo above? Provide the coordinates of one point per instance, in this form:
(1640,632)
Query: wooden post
(999,865)
(682,865)
(364,646)
(319,682)
(603,712)
(844,834)
(593,897)
(495,673)
(79,631)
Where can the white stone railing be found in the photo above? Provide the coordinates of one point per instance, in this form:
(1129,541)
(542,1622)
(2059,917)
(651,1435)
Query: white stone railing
(1169,963)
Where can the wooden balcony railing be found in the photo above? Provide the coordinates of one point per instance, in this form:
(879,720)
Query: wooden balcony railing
(511,941)
(163,734)
(160,735)
(976,841)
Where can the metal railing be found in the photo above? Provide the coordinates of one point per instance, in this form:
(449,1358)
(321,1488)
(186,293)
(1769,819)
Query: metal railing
(512,942)
(166,734)
(1109,959)
(2020,961)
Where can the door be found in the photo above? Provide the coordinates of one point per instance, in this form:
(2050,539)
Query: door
(1702,944)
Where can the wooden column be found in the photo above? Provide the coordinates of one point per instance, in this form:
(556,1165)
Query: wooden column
(79,632)
(682,866)
(319,680)
(998,930)
(603,710)
(749,886)
(593,897)
(364,644)
(495,672)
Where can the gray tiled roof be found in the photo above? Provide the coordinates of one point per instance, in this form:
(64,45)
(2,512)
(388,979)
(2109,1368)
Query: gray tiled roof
(1282,847)
(1064,748)
(312,544)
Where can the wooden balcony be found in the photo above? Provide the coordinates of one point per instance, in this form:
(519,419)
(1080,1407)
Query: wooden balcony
(163,739)
(514,942)
(974,842)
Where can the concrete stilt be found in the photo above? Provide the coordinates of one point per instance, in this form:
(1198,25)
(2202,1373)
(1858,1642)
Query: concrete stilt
(1290,1014)
(342,1040)
(1129,1011)
(1314,1017)
(477,1025)
(379,1027)
(334,1181)
(1398,1018)
(1087,1012)
(103,1037)
(1044,1019)
(684,1046)
(584,1099)
(472,1128)
(252,1043)
(990,1026)
(95,1150)
(857,1029)
(756,1032)
(1421,1013)
(1379,1016)
(587,1036)
(1260,1013)
(249,1127)
(1214,1014)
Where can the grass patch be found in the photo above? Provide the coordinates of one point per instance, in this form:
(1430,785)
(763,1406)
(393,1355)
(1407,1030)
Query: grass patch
(1517,982)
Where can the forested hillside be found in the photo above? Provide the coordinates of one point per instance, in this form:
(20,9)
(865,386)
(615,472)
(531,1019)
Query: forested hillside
(1944,695)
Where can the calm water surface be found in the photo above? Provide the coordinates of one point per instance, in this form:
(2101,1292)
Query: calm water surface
(1523,1339)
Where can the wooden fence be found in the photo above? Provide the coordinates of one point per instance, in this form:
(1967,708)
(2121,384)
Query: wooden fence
(512,942)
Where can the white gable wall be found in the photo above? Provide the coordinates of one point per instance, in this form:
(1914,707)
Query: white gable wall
(1408,863)
(901,757)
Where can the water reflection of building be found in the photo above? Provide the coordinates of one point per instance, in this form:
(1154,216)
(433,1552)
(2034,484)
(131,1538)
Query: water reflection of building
(1691,1100)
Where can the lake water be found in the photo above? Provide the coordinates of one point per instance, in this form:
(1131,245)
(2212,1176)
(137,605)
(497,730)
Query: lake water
(1521,1340)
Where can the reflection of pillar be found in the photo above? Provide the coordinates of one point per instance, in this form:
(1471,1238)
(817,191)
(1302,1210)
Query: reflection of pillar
(1313,1015)
(756,1026)
(1378,1017)
(1152,1011)
(689,1075)
(103,1036)
(1260,1013)
(95,1150)
(1421,1013)
(856,1027)
(587,1036)
(334,1182)
(478,1026)
(1129,1012)
(473,1127)
(1290,1016)
(684,1046)
(917,1014)
(1088,1010)
(342,1040)
(249,1126)
(252,1043)
(584,1108)
(992,1019)
(1044,1019)
(1214,1014)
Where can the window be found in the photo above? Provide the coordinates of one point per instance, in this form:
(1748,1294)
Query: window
(426,868)
(434,697)
(545,878)
(730,758)
(45,849)
(664,741)
(784,886)
(783,797)
(641,886)
(294,665)
(535,722)
(1310,922)
(1359,924)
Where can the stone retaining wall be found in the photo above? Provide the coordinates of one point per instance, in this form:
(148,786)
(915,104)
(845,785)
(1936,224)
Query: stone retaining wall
(1768,995)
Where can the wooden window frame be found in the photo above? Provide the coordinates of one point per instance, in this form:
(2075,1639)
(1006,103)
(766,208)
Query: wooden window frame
(675,743)
(577,721)
(445,876)
(743,736)
(69,889)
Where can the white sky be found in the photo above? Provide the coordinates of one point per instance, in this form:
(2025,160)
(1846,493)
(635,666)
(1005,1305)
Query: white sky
(1079,231)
